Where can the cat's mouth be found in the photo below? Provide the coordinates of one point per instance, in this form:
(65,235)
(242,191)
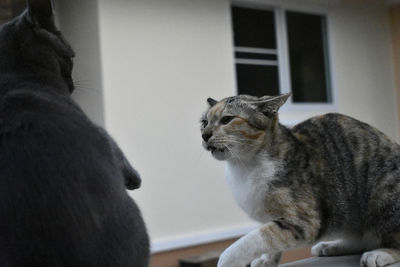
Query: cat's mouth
(220,153)
(214,149)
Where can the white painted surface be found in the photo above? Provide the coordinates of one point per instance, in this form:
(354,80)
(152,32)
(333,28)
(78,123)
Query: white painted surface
(199,238)
(79,23)
(363,66)
(161,60)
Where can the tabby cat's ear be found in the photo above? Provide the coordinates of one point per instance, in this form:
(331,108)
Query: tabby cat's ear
(211,101)
(271,105)
(41,13)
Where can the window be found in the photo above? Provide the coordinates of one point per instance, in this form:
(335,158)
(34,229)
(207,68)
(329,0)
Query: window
(264,42)
(308,57)
(255,51)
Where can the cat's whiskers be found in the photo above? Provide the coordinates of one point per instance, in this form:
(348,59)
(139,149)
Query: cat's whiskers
(243,139)
(84,87)
(243,143)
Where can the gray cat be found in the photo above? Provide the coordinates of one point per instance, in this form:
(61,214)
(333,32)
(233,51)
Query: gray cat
(328,178)
(63,180)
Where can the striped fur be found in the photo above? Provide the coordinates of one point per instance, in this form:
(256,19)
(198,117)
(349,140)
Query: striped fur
(330,177)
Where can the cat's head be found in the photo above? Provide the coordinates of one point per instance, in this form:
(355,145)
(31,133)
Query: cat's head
(237,126)
(31,44)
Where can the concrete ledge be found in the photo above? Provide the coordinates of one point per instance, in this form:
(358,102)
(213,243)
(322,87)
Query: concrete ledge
(340,261)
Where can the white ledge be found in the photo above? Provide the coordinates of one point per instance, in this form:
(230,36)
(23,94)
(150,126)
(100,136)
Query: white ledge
(199,238)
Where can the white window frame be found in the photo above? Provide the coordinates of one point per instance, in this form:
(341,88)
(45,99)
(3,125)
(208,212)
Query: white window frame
(292,113)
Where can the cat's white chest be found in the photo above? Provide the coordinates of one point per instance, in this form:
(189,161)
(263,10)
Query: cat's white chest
(249,186)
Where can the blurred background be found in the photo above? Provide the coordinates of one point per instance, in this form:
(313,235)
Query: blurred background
(144,69)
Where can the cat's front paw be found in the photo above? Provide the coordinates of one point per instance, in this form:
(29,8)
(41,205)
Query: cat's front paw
(379,258)
(328,248)
(264,261)
(227,261)
(230,259)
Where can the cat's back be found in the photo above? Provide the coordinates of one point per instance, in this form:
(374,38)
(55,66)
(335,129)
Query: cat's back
(47,116)
(47,131)
(19,105)
(337,128)
(327,122)
(353,163)
(346,147)
(59,182)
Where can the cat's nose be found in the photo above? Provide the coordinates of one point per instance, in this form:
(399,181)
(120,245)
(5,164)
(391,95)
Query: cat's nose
(206,136)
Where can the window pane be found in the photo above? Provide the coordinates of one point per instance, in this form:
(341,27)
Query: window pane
(253,27)
(257,80)
(308,57)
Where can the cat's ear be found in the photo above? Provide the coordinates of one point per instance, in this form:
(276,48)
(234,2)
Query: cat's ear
(41,13)
(211,101)
(271,105)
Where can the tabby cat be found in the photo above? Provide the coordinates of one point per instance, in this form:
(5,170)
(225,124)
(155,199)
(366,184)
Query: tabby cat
(63,201)
(331,177)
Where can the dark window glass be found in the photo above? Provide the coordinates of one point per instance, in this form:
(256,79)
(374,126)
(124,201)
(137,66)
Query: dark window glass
(257,80)
(308,58)
(255,51)
(253,27)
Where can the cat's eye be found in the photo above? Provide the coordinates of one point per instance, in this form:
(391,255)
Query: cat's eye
(204,123)
(226,119)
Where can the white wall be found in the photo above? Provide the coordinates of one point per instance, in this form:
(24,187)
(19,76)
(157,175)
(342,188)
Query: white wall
(79,23)
(162,59)
(364,65)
